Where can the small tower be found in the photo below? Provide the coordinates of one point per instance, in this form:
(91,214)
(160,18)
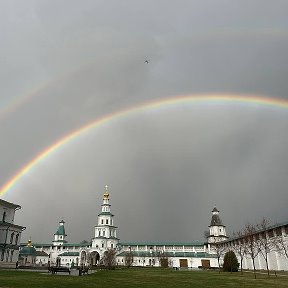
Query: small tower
(105,232)
(27,255)
(59,236)
(217,231)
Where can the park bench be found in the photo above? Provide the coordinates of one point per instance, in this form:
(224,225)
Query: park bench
(54,269)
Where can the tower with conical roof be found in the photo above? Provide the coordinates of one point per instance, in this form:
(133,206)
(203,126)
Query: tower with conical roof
(105,232)
(60,235)
(217,231)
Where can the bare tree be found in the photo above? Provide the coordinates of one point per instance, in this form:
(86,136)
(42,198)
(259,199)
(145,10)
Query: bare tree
(282,246)
(219,249)
(281,241)
(129,258)
(206,235)
(109,259)
(163,259)
(265,241)
(251,246)
(239,247)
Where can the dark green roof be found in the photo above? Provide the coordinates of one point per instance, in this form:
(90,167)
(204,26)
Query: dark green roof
(162,243)
(42,253)
(39,245)
(105,213)
(60,231)
(169,254)
(69,254)
(28,251)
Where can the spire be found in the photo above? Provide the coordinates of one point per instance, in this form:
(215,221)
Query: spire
(215,220)
(106,193)
(61,229)
(29,244)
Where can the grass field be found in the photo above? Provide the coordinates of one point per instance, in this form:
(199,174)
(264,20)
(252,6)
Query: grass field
(139,278)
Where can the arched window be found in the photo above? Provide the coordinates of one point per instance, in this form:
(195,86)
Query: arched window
(4,216)
(16,238)
(11,238)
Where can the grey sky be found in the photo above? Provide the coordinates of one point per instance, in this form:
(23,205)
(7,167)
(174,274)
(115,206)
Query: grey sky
(166,168)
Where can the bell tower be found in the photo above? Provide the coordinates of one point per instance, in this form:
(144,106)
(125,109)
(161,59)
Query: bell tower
(105,231)
(60,235)
(217,231)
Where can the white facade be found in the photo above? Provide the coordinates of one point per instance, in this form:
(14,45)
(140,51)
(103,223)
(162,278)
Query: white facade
(10,234)
(276,241)
(177,255)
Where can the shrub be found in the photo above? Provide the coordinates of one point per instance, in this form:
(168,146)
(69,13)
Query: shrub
(230,262)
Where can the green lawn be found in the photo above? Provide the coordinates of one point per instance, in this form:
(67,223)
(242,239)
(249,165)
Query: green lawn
(139,278)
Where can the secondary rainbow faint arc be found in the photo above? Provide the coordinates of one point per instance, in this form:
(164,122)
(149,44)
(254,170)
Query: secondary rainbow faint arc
(230,98)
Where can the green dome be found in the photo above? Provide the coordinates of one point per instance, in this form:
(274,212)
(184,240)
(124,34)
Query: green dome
(28,251)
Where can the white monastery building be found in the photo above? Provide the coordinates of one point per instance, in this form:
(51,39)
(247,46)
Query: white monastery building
(192,255)
(10,234)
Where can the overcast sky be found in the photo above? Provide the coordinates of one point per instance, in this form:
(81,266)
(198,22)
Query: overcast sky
(64,64)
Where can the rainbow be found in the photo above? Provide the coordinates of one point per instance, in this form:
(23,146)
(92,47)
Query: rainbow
(153,105)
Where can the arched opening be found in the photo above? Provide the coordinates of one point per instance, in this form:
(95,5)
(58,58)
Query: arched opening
(83,258)
(94,258)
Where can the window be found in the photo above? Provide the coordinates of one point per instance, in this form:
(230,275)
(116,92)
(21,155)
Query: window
(103,232)
(16,239)
(4,216)
(102,221)
(11,238)
(107,221)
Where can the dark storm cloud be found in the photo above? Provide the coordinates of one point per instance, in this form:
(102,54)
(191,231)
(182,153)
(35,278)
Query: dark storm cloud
(166,170)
